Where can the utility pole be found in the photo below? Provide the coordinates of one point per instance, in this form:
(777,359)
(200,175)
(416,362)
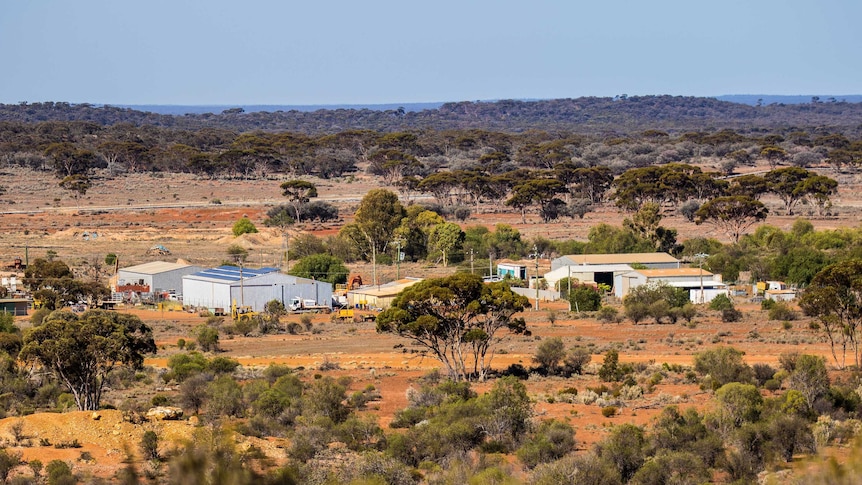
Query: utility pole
(569,293)
(398,260)
(700,257)
(536,279)
(490,265)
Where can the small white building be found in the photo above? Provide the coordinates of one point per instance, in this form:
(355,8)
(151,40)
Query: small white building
(589,273)
(692,279)
(512,270)
(218,288)
(148,279)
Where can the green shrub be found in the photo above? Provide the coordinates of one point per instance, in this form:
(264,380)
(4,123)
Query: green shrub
(207,338)
(609,411)
(607,314)
(549,354)
(781,311)
(722,365)
(585,298)
(553,440)
(720,302)
(729,315)
(243,226)
(610,369)
(575,360)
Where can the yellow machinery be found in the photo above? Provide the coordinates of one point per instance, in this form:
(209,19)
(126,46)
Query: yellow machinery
(242,312)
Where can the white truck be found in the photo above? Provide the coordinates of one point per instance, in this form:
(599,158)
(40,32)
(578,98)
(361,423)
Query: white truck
(305,305)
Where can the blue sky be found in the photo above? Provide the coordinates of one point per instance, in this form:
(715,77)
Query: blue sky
(363,52)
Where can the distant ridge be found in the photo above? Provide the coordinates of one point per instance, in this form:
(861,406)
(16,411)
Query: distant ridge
(767,99)
(179,110)
(608,115)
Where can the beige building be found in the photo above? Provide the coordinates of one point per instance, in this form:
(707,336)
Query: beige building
(379,296)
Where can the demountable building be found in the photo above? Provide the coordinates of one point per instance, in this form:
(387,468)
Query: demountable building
(148,279)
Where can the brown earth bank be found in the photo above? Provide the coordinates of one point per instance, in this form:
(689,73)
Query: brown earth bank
(193,218)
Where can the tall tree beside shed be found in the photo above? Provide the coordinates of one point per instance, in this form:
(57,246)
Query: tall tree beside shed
(378,216)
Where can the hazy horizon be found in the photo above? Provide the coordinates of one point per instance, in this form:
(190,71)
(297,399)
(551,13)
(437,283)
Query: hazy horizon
(265,52)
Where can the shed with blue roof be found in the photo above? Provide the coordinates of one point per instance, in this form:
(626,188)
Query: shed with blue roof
(254,287)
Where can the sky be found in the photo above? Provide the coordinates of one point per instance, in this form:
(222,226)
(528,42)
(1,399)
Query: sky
(226,52)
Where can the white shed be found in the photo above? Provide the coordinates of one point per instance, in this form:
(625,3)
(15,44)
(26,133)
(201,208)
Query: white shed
(590,273)
(692,279)
(218,288)
(147,279)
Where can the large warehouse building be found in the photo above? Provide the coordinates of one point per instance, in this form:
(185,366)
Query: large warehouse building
(218,288)
(148,279)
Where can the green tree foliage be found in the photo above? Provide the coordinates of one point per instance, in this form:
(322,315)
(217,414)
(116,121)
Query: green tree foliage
(733,214)
(550,354)
(585,298)
(298,192)
(207,338)
(243,226)
(457,319)
(739,403)
(720,302)
(77,185)
(237,253)
(378,216)
(606,239)
(54,285)
(644,224)
(81,351)
(810,378)
(508,411)
(540,192)
(321,267)
(611,370)
(625,448)
(792,184)
(835,298)
(445,238)
(676,431)
(551,441)
(720,366)
(657,300)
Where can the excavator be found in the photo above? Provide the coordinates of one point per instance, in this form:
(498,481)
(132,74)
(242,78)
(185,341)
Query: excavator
(347,313)
(242,312)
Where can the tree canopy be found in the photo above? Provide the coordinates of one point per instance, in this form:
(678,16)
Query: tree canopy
(457,319)
(80,351)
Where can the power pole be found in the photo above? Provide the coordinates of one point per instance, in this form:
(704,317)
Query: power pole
(536,279)
(569,293)
(471,260)
(398,260)
(700,257)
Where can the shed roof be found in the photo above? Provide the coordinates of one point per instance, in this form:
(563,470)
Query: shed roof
(229,274)
(624,258)
(388,289)
(154,267)
(658,273)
